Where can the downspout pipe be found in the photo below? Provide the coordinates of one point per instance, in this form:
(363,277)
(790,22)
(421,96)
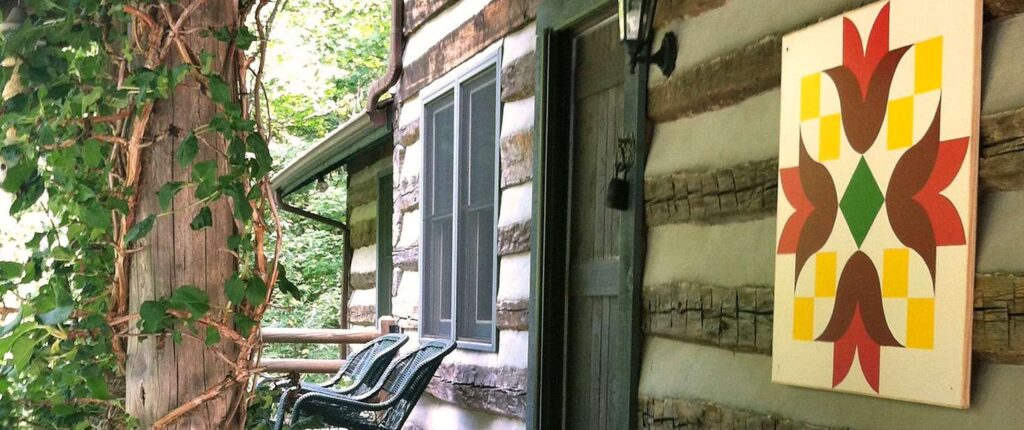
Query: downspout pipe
(347,251)
(394,70)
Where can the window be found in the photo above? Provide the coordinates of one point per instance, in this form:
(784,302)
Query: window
(458,258)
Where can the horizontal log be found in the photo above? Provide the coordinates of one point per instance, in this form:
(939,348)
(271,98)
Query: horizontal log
(317,335)
(749,190)
(671,413)
(363,281)
(498,19)
(500,390)
(407,195)
(514,315)
(735,193)
(364,233)
(299,365)
(361,193)
(407,259)
(742,73)
(518,79)
(418,12)
(362,314)
(514,238)
(517,158)
(741,318)
(408,134)
(724,81)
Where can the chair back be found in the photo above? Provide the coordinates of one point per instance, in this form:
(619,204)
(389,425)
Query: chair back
(408,377)
(366,366)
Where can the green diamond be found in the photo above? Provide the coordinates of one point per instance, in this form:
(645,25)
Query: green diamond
(861,202)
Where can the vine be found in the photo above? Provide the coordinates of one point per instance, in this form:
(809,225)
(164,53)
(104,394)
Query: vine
(81,81)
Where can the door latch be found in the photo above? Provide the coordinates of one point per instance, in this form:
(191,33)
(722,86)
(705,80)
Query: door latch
(618,187)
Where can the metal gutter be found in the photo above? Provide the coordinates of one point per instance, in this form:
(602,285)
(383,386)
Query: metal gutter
(394,70)
(332,152)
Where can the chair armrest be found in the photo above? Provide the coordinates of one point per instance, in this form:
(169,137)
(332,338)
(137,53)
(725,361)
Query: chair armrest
(341,401)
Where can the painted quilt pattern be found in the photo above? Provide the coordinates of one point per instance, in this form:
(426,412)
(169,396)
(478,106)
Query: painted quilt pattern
(871,200)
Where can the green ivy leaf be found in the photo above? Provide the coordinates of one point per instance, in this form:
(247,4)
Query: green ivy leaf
(219,90)
(234,241)
(212,336)
(264,161)
(234,289)
(96,217)
(167,193)
(17,174)
(245,38)
(176,337)
(285,285)
(55,316)
(243,324)
(10,270)
(203,219)
(92,153)
(256,293)
(140,229)
(190,299)
(187,150)
(154,316)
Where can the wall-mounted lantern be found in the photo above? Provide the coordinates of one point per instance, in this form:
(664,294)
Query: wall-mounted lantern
(636,30)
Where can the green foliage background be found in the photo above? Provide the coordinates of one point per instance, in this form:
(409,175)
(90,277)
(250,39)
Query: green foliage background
(323,57)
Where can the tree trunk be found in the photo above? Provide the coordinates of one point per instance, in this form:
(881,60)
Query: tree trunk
(161,375)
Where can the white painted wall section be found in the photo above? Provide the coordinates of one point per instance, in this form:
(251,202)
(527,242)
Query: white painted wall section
(517,116)
(516,204)
(514,277)
(734,254)
(520,43)
(364,260)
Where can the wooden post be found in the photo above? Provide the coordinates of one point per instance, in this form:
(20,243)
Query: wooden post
(160,374)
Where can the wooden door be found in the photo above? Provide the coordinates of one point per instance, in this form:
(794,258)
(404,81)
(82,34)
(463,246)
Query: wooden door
(595,344)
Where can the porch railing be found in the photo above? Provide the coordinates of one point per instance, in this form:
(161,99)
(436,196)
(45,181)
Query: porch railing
(385,325)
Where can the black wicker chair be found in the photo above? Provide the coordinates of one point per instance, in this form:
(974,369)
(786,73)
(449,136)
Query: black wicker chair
(361,373)
(386,406)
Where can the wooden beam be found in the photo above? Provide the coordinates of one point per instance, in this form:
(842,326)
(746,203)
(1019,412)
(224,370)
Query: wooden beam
(740,318)
(496,20)
(300,365)
(317,335)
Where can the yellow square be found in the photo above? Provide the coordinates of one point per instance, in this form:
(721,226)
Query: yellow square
(901,123)
(828,144)
(825,274)
(895,266)
(810,97)
(921,323)
(803,318)
(928,65)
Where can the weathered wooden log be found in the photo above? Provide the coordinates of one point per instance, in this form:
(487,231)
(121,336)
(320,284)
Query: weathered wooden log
(299,365)
(750,190)
(518,79)
(517,158)
(498,19)
(500,390)
(514,315)
(317,335)
(740,318)
(514,238)
(673,413)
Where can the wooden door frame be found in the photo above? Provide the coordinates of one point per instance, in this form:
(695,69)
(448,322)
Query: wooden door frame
(549,255)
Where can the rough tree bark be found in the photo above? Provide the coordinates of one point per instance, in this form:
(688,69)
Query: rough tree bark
(161,375)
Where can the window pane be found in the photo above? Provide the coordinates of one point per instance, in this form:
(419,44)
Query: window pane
(477,187)
(438,180)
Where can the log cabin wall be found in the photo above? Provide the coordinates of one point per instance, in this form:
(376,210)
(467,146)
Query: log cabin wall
(361,212)
(711,194)
(472,390)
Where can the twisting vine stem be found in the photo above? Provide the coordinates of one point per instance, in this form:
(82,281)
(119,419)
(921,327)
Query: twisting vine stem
(81,83)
